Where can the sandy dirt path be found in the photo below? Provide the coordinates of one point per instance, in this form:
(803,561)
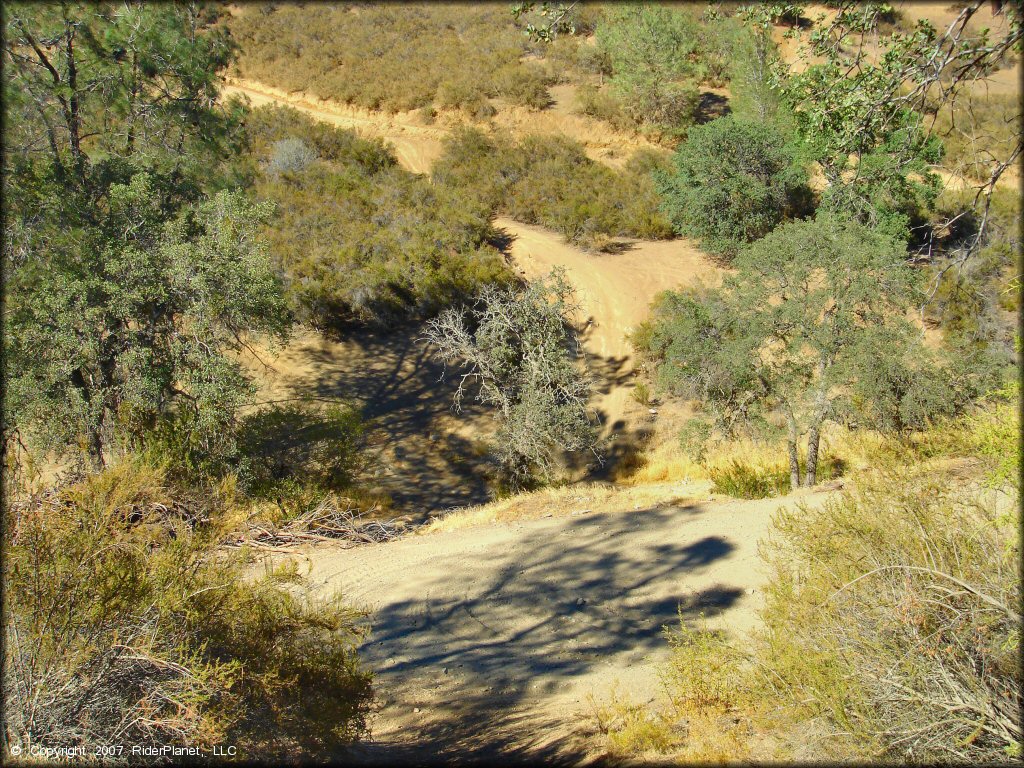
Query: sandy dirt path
(615,293)
(487,641)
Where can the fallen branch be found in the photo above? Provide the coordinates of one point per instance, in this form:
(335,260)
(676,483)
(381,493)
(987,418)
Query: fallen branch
(328,521)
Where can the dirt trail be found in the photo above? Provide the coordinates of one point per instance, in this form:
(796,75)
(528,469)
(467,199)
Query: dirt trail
(614,290)
(416,146)
(615,293)
(487,641)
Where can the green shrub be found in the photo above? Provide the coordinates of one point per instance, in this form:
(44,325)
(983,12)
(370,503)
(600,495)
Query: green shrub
(733,182)
(550,181)
(125,624)
(599,103)
(358,239)
(653,72)
(757,480)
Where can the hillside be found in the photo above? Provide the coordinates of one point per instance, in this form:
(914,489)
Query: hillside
(481,384)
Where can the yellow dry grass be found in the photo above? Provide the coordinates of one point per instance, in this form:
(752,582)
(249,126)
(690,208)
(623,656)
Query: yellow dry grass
(565,501)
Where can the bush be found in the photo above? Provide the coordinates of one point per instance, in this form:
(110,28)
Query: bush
(395,58)
(891,621)
(358,239)
(651,53)
(125,624)
(290,156)
(520,350)
(550,181)
(891,630)
(307,445)
(732,184)
(984,133)
(602,105)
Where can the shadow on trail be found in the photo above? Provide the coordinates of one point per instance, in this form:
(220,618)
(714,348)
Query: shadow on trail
(407,400)
(572,597)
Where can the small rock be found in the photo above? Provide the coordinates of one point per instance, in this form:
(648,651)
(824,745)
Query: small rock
(416,710)
(445,670)
(653,411)
(580,601)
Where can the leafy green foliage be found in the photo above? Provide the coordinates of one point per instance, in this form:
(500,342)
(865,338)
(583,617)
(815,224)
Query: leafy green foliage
(115,323)
(394,58)
(809,328)
(123,625)
(550,181)
(733,182)
(518,347)
(650,48)
(90,82)
(861,107)
(358,239)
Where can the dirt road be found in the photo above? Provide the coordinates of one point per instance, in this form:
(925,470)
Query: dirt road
(487,641)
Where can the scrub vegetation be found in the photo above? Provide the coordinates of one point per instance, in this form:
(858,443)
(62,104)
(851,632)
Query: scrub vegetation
(842,180)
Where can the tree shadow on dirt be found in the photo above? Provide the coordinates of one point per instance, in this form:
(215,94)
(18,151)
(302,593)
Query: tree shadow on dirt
(711,107)
(572,599)
(406,399)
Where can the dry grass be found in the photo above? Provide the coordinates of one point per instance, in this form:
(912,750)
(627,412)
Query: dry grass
(890,629)
(580,499)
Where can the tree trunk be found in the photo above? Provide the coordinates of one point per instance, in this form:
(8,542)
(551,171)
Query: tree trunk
(813,439)
(794,459)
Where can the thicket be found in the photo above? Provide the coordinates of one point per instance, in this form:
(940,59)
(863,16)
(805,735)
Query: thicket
(732,183)
(391,57)
(125,623)
(550,181)
(358,239)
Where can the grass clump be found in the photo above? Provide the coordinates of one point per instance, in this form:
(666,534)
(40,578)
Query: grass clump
(759,478)
(632,729)
(125,623)
(749,481)
(551,182)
